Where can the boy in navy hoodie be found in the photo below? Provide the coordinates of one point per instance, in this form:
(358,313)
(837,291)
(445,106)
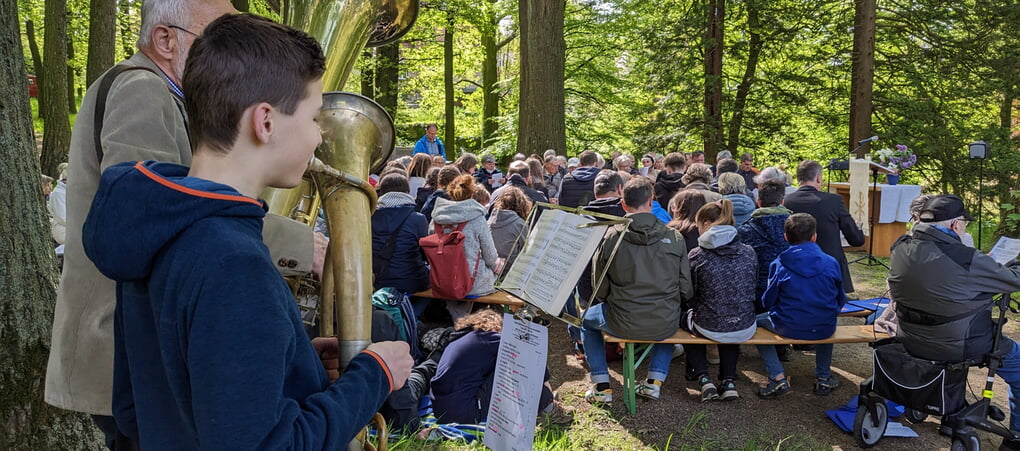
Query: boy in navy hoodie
(802,301)
(210,352)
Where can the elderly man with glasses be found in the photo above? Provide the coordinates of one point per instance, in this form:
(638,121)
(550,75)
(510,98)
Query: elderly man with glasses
(943,291)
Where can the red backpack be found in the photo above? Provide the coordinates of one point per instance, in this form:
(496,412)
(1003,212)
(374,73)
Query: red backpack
(449,275)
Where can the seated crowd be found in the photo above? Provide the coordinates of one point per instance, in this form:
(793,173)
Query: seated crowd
(716,251)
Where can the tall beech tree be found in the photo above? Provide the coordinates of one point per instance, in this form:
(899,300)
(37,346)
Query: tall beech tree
(29,292)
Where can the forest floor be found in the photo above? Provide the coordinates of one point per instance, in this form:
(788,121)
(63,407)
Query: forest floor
(679,420)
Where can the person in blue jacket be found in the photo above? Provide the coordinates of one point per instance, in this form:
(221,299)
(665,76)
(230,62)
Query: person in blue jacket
(430,143)
(397,259)
(210,352)
(802,301)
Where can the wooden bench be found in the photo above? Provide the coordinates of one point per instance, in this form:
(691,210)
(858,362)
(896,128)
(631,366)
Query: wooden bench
(844,334)
(507,300)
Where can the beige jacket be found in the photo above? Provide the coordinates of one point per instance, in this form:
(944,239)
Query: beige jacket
(144,121)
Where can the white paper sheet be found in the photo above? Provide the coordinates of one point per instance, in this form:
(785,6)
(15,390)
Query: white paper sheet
(517,386)
(1005,250)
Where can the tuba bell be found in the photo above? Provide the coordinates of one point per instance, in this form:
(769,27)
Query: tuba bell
(358,138)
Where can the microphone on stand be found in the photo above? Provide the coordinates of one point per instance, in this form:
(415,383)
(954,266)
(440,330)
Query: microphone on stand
(867,140)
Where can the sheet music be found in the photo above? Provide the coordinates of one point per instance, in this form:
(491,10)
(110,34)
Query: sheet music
(553,259)
(517,385)
(1005,250)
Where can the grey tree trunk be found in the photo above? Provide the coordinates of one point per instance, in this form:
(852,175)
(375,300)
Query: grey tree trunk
(57,131)
(863,74)
(29,293)
(543,51)
(449,132)
(33,47)
(387,76)
(713,133)
(102,38)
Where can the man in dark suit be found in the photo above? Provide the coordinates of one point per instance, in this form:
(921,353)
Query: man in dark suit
(829,211)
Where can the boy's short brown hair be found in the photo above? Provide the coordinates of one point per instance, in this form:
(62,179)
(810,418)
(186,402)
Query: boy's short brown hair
(799,228)
(637,192)
(241,60)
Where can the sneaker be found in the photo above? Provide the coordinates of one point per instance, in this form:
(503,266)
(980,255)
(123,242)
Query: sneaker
(648,390)
(595,396)
(825,386)
(708,390)
(557,414)
(729,390)
(775,389)
(678,350)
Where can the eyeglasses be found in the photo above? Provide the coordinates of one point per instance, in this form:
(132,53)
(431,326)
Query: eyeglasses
(175,27)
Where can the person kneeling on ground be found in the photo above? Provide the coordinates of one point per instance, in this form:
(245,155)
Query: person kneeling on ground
(803,300)
(646,282)
(463,383)
(723,272)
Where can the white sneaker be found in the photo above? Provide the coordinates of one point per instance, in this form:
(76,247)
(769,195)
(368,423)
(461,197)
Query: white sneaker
(678,351)
(646,390)
(599,397)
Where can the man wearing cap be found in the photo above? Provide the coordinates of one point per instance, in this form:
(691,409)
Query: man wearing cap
(489,175)
(943,291)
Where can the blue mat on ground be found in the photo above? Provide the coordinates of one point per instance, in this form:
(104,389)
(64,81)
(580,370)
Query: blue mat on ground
(844,418)
(870,304)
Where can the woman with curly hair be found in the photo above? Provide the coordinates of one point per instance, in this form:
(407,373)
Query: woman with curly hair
(462,386)
(506,221)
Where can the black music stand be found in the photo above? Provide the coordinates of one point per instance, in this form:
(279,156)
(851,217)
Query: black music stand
(869,259)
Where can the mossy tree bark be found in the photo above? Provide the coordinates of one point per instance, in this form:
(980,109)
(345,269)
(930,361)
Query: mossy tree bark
(57,130)
(543,53)
(29,279)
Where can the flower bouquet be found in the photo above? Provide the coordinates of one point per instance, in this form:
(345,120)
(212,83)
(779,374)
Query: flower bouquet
(899,159)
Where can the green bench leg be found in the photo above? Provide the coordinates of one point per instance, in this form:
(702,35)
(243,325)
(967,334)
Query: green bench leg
(629,380)
(629,397)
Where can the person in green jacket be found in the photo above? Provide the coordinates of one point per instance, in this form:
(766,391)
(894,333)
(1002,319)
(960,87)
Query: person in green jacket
(640,297)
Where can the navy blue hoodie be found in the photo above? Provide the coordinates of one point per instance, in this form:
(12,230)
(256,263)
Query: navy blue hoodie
(805,293)
(210,351)
(578,187)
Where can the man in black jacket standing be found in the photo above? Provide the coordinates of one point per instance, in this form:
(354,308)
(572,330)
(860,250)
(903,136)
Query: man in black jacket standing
(829,211)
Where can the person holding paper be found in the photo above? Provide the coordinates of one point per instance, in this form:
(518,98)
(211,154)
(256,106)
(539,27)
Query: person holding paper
(645,284)
(943,291)
(489,176)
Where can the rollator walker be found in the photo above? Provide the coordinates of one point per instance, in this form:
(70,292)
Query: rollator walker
(931,387)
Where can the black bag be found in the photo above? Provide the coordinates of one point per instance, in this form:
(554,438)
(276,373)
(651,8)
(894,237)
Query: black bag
(934,387)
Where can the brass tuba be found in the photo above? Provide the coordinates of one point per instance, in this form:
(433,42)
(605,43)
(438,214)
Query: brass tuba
(358,137)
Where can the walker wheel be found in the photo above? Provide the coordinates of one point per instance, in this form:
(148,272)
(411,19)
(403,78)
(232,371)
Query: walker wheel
(870,427)
(965,443)
(914,416)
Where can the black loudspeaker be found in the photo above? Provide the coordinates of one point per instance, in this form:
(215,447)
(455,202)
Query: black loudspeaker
(978,149)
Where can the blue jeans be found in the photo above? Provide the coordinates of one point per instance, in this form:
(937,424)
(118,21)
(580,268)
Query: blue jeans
(592,326)
(823,354)
(1010,373)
